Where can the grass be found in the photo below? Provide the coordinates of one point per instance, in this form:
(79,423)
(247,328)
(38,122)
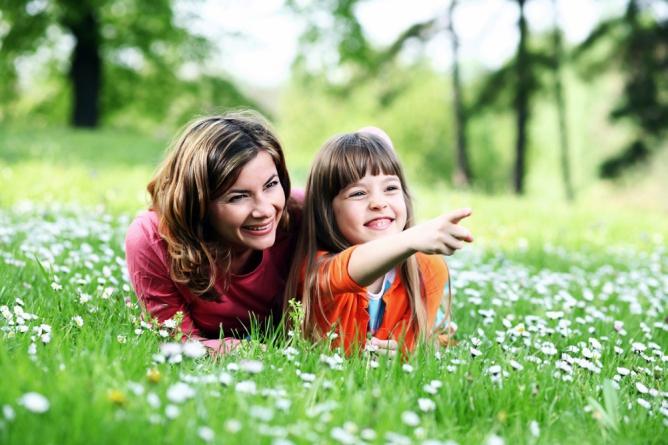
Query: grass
(544,287)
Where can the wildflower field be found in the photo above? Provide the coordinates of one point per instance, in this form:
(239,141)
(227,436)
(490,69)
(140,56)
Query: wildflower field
(563,338)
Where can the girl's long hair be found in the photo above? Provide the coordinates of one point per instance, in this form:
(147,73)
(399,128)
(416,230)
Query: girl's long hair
(343,160)
(203,162)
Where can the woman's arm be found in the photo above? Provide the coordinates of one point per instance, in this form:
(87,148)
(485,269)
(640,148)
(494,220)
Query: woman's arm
(156,291)
(441,235)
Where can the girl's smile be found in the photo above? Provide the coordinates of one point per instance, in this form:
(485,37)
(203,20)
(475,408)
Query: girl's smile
(379,223)
(370,208)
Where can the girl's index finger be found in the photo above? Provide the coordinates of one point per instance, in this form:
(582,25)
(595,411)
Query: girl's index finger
(457,215)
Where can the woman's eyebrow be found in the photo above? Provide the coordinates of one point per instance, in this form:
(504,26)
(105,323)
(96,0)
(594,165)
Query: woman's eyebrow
(274,175)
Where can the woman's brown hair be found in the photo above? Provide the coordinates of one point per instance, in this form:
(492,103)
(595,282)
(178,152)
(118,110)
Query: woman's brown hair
(344,160)
(203,162)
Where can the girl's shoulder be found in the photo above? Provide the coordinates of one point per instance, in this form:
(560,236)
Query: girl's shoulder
(431,265)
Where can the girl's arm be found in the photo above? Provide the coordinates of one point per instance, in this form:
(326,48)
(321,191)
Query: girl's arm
(441,235)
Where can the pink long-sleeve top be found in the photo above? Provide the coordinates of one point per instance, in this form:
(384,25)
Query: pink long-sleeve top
(257,294)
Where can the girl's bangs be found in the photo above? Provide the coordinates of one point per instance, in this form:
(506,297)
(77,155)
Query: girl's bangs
(359,155)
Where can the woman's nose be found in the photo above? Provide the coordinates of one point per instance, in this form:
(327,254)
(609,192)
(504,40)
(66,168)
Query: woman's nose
(262,209)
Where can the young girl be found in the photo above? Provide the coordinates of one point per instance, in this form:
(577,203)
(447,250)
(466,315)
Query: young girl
(361,266)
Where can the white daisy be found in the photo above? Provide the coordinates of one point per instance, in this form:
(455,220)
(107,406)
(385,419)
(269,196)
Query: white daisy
(426,405)
(205,433)
(246,387)
(180,392)
(410,418)
(34,402)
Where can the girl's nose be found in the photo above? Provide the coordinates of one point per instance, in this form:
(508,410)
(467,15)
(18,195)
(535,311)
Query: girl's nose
(377,203)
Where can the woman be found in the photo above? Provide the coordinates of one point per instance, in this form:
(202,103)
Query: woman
(217,241)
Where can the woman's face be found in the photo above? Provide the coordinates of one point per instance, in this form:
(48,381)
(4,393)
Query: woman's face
(246,216)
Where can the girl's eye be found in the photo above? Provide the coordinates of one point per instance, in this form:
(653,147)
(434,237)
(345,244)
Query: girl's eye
(273,183)
(392,188)
(356,194)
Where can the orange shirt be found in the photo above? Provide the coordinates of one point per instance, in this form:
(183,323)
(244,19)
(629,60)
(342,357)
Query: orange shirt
(344,302)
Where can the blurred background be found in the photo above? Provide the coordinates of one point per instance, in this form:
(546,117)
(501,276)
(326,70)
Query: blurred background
(544,101)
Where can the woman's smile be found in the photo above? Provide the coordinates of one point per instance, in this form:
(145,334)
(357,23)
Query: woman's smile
(246,216)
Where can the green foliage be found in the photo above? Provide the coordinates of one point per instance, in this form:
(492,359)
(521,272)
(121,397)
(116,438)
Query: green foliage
(101,374)
(636,44)
(609,415)
(103,167)
(333,24)
(97,376)
(143,47)
(418,117)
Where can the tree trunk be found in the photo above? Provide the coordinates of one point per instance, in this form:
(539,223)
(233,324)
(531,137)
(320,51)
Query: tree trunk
(463,176)
(521,103)
(86,69)
(561,109)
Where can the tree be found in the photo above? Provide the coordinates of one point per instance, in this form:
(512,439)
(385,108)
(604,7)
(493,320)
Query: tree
(560,101)
(358,61)
(523,77)
(522,92)
(636,44)
(103,31)
(463,174)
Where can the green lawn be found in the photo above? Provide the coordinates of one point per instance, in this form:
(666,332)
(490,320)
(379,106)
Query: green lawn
(561,312)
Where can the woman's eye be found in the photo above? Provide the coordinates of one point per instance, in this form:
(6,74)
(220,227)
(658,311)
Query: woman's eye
(235,198)
(273,183)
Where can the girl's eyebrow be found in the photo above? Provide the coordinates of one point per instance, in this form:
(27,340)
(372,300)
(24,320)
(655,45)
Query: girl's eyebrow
(273,176)
(391,178)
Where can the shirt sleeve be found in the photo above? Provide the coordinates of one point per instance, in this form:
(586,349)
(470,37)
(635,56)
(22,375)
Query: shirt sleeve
(149,275)
(434,278)
(333,275)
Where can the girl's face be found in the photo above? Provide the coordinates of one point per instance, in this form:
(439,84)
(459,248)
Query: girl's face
(371,208)
(246,216)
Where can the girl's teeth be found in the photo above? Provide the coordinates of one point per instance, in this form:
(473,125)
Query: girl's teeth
(379,223)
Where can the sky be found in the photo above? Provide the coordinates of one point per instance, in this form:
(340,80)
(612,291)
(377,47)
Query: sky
(257,40)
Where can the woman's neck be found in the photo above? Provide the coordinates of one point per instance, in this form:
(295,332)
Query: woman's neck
(245,261)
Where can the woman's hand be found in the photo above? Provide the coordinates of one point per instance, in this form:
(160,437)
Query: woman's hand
(442,235)
(222,346)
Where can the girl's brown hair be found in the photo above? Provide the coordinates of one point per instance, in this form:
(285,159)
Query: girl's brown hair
(203,162)
(344,160)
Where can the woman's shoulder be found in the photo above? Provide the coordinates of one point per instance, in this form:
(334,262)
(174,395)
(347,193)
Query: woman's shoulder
(143,232)
(288,232)
(145,223)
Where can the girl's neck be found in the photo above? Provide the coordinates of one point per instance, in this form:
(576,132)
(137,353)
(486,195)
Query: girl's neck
(375,287)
